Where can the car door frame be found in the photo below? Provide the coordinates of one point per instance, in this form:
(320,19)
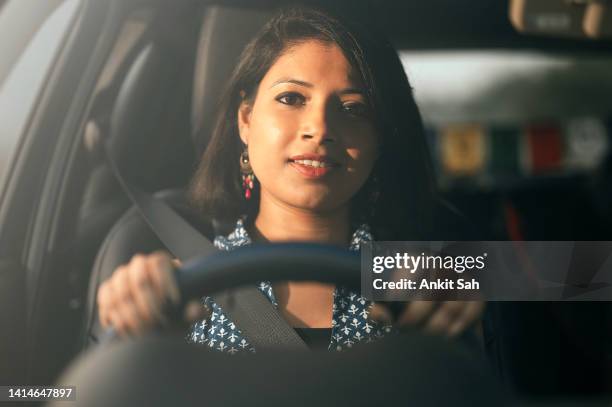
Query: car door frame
(30,205)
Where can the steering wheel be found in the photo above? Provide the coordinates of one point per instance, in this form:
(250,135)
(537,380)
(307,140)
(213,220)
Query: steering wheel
(271,262)
(160,371)
(224,270)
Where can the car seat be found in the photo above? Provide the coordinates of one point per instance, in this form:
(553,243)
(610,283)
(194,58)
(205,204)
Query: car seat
(131,234)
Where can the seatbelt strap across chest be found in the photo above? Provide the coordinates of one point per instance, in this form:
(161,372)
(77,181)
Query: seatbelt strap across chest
(251,311)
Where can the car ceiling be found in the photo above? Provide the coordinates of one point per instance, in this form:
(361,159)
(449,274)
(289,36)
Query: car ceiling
(443,24)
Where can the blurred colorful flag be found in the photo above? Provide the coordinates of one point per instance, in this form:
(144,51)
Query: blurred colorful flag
(504,158)
(587,143)
(544,147)
(462,149)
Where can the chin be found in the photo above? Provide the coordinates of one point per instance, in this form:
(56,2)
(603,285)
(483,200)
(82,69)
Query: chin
(314,198)
(315,206)
(322,205)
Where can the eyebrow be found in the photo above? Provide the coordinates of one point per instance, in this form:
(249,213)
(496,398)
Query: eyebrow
(346,91)
(294,81)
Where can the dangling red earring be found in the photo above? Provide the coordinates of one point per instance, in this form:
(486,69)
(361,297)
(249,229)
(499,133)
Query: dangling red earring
(247,174)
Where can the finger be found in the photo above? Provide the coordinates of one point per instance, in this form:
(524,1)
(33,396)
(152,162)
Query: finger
(121,285)
(380,314)
(132,322)
(444,317)
(416,312)
(122,293)
(149,308)
(116,322)
(103,304)
(108,301)
(196,311)
(470,314)
(162,273)
(110,297)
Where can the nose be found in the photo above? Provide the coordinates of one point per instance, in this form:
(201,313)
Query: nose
(316,125)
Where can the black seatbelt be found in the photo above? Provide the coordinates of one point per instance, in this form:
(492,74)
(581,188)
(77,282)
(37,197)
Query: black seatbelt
(250,310)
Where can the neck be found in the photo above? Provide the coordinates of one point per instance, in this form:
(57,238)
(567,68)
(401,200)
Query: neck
(277,222)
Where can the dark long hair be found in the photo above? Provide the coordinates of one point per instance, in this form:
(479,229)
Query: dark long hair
(402,175)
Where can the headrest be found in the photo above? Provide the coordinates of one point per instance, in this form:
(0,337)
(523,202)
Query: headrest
(128,116)
(153,155)
(225,32)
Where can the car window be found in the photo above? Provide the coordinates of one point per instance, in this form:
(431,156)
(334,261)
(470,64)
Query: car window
(506,116)
(26,78)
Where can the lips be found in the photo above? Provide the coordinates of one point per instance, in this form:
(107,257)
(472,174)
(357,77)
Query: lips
(313,165)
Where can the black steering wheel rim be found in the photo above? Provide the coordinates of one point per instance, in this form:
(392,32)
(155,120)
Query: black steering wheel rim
(251,264)
(270,262)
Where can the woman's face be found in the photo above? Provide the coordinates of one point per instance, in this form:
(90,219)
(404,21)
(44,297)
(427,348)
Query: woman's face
(311,136)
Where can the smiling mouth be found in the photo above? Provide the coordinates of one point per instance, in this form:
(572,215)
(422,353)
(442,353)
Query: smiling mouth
(314,163)
(312,168)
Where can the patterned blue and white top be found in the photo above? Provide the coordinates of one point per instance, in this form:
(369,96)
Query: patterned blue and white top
(350,322)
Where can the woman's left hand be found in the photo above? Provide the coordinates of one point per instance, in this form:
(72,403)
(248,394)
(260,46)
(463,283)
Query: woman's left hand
(450,318)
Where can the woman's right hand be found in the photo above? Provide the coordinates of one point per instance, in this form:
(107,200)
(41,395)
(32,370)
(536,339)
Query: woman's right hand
(134,298)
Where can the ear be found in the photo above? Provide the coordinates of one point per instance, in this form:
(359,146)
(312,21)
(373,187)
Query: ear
(244,119)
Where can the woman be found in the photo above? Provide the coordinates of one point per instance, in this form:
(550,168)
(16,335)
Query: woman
(318,140)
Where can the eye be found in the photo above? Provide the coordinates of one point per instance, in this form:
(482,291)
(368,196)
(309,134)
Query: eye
(290,98)
(355,109)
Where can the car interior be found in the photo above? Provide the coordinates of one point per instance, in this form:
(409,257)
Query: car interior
(153,106)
